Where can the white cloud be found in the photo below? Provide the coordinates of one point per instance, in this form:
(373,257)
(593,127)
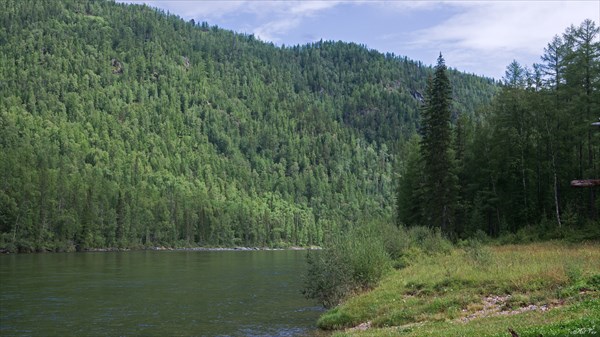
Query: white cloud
(287,16)
(499,25)
(270,31)
(494,33)
(197,10)
(275,18)
(310,7)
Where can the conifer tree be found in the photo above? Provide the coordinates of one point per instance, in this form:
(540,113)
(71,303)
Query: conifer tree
(440,179)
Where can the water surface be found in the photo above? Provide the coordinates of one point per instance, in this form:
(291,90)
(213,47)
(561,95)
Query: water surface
(150,293)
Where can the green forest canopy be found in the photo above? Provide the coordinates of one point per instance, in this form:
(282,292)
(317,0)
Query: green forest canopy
(123,126)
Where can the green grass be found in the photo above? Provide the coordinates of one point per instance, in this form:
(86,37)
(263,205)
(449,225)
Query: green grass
(434,294)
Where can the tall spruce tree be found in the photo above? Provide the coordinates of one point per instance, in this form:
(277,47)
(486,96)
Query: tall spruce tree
(440,178)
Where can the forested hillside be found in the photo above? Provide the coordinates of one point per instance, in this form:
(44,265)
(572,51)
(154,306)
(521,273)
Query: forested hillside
(123,126)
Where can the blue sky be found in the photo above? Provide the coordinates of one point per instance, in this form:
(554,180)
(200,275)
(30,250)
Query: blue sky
(480,37)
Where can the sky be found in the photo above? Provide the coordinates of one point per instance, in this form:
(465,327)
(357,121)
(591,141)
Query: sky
(479,37)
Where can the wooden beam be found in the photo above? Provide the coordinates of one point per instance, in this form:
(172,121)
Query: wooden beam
(585,183)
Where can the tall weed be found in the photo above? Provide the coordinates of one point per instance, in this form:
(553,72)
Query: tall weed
(477,253)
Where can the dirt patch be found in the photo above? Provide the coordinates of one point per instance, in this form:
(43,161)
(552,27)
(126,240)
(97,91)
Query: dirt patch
(496,306)
(361,327)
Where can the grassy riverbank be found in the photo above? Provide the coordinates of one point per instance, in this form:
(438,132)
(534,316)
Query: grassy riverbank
(552,289)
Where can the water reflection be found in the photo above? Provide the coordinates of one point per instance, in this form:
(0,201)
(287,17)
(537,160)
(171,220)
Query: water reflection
(149,293)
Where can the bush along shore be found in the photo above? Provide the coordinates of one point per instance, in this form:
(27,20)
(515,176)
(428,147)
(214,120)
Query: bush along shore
(388,281)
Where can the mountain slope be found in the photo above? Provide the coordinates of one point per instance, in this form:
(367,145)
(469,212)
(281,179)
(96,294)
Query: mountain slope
(124,126)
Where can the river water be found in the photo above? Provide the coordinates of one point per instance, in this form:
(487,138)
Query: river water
(155,293)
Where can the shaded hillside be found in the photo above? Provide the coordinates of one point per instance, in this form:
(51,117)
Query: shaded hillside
(124,126)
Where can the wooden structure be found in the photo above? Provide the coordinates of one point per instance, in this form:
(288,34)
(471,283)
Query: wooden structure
(585,183)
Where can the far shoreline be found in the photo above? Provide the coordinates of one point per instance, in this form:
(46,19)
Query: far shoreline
(163,248)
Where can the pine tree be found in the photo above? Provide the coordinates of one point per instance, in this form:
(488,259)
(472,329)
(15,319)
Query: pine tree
(440,179)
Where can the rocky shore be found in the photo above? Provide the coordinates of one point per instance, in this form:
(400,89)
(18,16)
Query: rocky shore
(161,248)
(201,249)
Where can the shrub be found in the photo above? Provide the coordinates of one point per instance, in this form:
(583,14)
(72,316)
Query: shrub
(431,241)
(396,241)
(358,259)
(481,236)
(477,253)
(368,260)
(329,277)
(350,262)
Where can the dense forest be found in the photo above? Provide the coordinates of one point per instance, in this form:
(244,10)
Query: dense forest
(508,168)
(124,126)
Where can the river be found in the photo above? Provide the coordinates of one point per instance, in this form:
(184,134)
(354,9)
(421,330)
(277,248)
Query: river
(155,293)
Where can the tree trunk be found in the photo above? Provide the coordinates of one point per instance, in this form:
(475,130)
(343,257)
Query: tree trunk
(556,196)
(556,201)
